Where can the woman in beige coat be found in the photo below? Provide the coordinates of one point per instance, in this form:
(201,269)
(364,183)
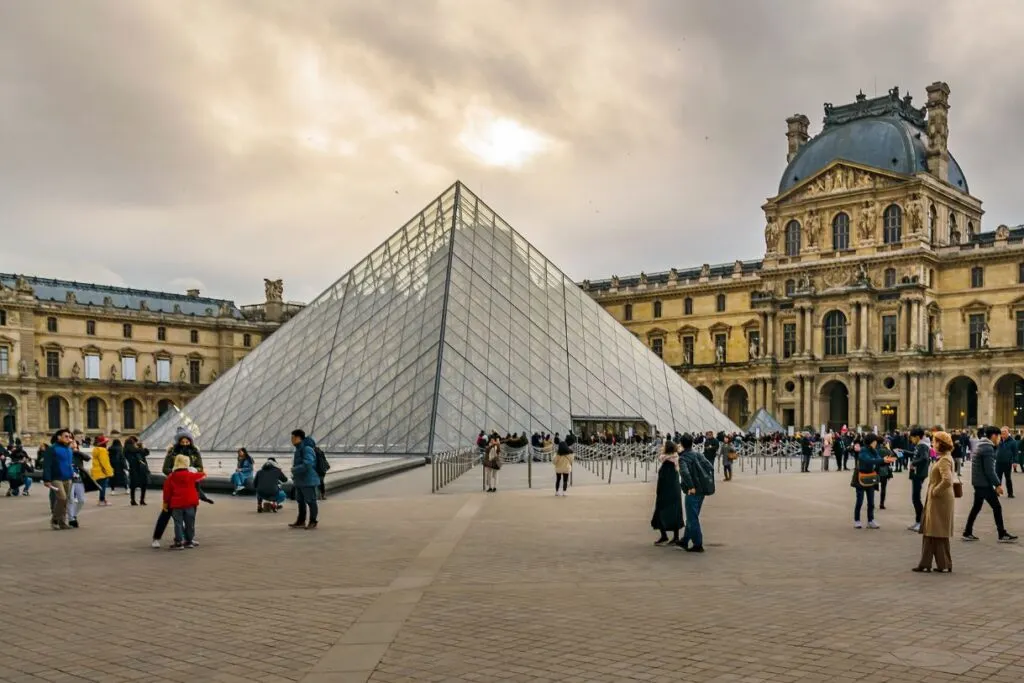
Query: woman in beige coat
(937,521)
(563,467)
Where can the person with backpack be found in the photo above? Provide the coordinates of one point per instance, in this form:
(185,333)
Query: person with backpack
(305,480)
(323,466)
(866,479)
(697,480)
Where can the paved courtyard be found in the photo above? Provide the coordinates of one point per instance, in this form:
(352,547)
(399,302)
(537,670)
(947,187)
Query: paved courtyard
(399,585)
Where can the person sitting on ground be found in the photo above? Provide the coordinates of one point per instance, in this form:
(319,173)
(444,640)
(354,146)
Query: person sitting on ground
(269,494)
(242,475)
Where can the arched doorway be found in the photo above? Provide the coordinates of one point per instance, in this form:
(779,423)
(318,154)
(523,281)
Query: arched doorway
(737,404)
(9,411)
(1009,394)
(962,403)
(834,405)
(706,393)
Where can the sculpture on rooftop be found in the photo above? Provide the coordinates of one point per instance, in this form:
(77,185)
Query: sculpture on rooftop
(274,289)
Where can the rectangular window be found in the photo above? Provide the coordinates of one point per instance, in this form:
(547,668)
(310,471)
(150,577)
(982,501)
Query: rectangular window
(92,366)
(193,372)
(90,328)
(3,318)
(627,312)
(788,340)
(246,340)
(657,309)
(1020,329)
(5,360)
(688,343)
(194,336)
(889,328)
(977,326)
(1020,279)
(687,306)
(128,368)
(129,414)
(161,333)
(658,346)
(92,414)
(126,330)
(163,370)
(51,324)
(53,364)
(977,277)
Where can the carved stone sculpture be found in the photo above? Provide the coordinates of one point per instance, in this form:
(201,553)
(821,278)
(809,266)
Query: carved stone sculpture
(213,374)
(113,372)
(754,351)
(147,373)
(916,224)
(719,354)
(866,227)
(705,270)
(862,275)
(36,368)
(643,278)
(182,376)
(274,289)
(937,341)
(75,370)
(737,268)
(22,368)
(812,229)
(771,235)
(986,336)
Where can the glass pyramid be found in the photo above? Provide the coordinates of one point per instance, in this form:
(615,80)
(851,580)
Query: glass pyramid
(454,324)
(764,421)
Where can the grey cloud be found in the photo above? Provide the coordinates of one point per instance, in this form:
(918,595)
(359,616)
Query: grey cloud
(115,133)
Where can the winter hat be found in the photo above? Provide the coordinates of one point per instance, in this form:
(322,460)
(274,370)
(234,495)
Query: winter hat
(943,442)
(101,441)
(183,432)
(182,462)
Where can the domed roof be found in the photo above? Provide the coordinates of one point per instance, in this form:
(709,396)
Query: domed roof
(885,133)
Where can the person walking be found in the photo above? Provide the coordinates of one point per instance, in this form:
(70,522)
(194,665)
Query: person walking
(119,478)
(135,455)
(181,497)
(1006,458)
(81,483)
(729,456)
(101,469)
(937,520)
(58,473)
(668,500)
(563,467)
(918,466)
(987,488)
(865,480)
(806,449)
(826,449)
(492,463)
(697,479)
(305,480)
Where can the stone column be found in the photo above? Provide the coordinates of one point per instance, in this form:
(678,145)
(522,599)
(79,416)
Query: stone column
(864,417)
(800,331)
(857,313)
(769,334)
(913,409)
(915,324)
(864,313)
(800,422)
(809,332)
(812,404)
(769,396)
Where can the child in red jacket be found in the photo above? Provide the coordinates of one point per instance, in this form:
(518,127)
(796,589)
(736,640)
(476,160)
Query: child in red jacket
(182,498)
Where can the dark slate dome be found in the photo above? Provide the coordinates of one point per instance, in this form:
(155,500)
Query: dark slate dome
(884,133)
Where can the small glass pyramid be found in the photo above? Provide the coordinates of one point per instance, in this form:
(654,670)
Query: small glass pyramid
(764,421)
(453,325)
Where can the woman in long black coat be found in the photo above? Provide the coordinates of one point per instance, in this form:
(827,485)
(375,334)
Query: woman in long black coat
(668,505)
(117,463)
(135,455)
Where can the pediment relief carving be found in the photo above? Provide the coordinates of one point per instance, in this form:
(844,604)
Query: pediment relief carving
(837,179)
(656,332)
(687,330)
(720,327)
(976,306)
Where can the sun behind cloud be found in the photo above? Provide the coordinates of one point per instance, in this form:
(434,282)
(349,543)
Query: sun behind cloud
(502,141)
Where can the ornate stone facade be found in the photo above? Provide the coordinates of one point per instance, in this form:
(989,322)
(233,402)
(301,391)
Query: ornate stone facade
(103,359)
(879,301)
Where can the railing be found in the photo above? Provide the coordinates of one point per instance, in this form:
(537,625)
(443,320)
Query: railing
(448,466)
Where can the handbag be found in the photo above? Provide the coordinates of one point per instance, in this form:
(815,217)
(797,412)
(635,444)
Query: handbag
(958,488)
(867,480)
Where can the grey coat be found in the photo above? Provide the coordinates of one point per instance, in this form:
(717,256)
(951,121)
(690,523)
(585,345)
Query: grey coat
(983,465)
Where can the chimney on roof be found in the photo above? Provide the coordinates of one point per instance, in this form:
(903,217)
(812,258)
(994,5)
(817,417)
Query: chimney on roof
(796,134)
(192,293)
(938,130)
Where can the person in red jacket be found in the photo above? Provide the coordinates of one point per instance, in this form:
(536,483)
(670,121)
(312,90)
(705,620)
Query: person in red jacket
(181,498)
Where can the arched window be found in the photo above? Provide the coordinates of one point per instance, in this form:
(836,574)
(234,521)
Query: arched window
(92,413)
(627,313)
(793,238)
(687,306)
(720,303)
(790,287)
(835,333)
(933,219)
(970,230)
(128,414)
(953,229)
(890,277)
(657,309)
(841,232)
(893,228)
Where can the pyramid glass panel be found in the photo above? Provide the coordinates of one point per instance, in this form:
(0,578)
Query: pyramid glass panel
(454,324)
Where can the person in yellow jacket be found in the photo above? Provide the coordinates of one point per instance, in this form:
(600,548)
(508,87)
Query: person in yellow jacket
(563,467)
(101,469)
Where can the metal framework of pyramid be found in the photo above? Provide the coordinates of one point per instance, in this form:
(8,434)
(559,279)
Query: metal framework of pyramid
(764,421)
(454,324)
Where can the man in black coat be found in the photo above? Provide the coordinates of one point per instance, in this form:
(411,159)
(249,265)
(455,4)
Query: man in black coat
(987,488)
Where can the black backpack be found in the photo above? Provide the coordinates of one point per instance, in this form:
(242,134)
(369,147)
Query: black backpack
(322,464)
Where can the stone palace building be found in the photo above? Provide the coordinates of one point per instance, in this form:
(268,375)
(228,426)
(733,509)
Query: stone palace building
(100,359)
(880,300)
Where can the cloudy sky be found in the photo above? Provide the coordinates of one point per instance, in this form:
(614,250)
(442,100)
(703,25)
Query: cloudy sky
(214,143)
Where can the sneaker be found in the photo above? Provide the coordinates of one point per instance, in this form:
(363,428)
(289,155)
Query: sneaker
(195,542)
(916,526)
(694,549)
(176,546)
(970,537)
(154,544)
(558,493)
(73,523)
(1007,537)
(64,525)
(662,541)
(25,493)
(873,525)
(297,525)
(54,525)
(191,544)
(565,493)
(858,525)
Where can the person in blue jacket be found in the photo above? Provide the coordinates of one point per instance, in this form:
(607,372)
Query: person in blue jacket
(868,463)
(305,479)
(58,473)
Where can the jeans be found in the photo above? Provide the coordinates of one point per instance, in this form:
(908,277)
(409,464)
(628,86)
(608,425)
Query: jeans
(1000,471)
(239,480)
(77,500)
(184,524)
(915,496)
(982,495)
(692,532)
(279,498)
(102,483)
(860,501)
(805,463)
(305,496)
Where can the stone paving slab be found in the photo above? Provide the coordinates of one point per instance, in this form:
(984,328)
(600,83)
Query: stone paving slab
(399,585)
